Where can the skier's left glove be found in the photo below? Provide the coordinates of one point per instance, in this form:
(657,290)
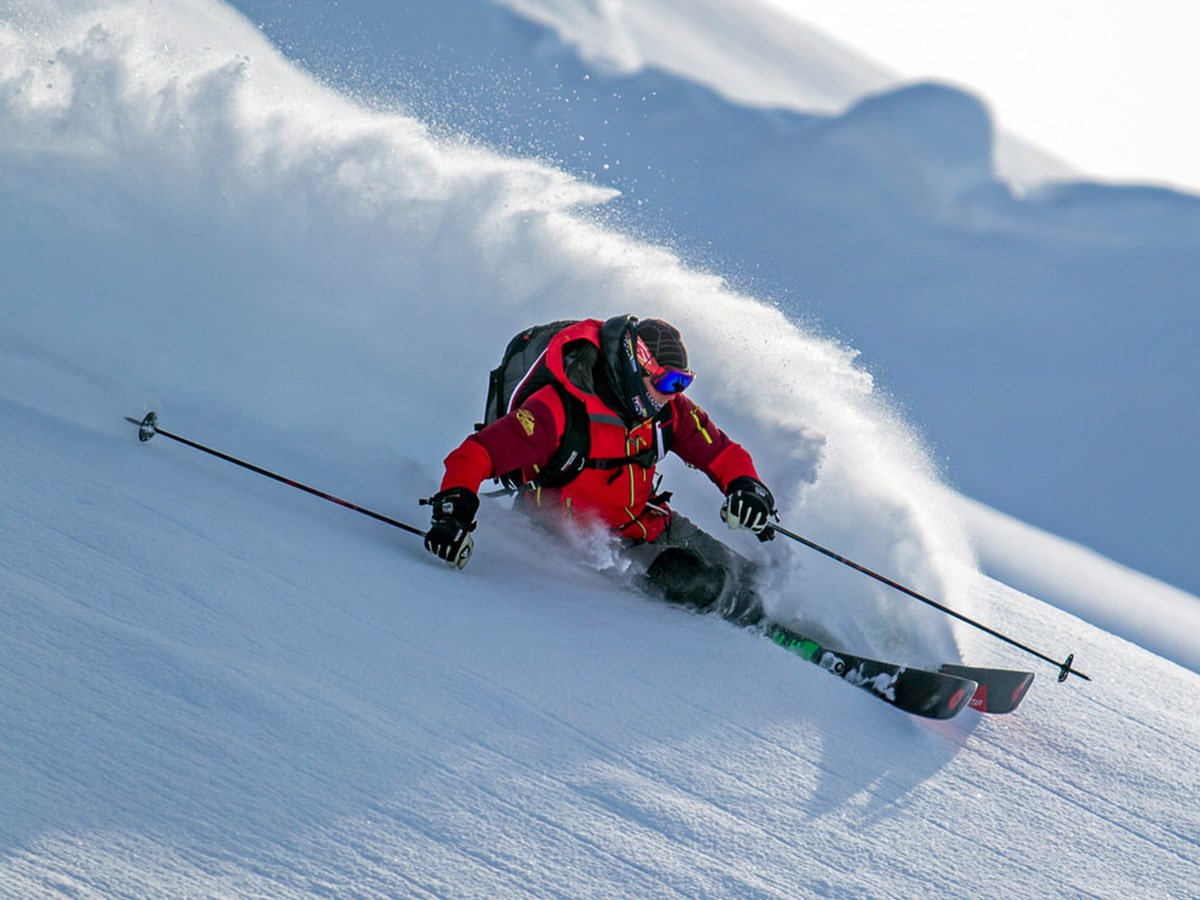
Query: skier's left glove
(449,536)
(749,504)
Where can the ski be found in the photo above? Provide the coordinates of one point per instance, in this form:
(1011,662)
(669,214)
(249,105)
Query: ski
(999,690)
(932,695)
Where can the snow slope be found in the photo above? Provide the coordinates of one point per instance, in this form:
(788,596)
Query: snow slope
(213,685)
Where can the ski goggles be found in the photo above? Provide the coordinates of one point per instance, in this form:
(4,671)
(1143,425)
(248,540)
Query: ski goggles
(664,380)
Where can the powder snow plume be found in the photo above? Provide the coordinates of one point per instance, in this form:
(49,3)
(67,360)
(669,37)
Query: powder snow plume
(222,195)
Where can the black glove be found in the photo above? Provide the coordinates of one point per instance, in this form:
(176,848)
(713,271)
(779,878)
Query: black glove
(449,537)
(748,504)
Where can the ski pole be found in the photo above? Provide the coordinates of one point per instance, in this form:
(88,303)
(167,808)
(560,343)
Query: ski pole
(1064,668)
(148,428)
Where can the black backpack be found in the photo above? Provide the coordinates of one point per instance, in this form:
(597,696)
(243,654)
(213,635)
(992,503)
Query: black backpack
(522,372)
(520,356)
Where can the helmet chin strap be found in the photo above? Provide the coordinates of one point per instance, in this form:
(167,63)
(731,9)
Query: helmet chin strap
(654,406)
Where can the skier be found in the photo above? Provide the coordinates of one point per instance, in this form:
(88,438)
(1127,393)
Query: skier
(629,376)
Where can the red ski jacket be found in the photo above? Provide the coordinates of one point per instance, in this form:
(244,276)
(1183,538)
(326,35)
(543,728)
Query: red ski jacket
(620,498)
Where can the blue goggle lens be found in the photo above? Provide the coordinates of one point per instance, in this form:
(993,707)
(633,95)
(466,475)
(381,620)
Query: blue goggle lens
(673,381)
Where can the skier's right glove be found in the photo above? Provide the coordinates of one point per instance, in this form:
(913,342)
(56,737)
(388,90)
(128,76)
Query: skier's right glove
(749,504)
(449,537)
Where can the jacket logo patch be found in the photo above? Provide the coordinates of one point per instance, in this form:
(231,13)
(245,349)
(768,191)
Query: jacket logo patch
(525,417)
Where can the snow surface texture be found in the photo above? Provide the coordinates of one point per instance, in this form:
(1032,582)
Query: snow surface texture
(212,685)
(1044,339)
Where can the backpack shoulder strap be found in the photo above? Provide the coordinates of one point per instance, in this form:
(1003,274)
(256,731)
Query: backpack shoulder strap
(571,457)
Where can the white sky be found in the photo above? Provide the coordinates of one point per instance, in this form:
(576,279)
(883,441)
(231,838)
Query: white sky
(1113,88)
